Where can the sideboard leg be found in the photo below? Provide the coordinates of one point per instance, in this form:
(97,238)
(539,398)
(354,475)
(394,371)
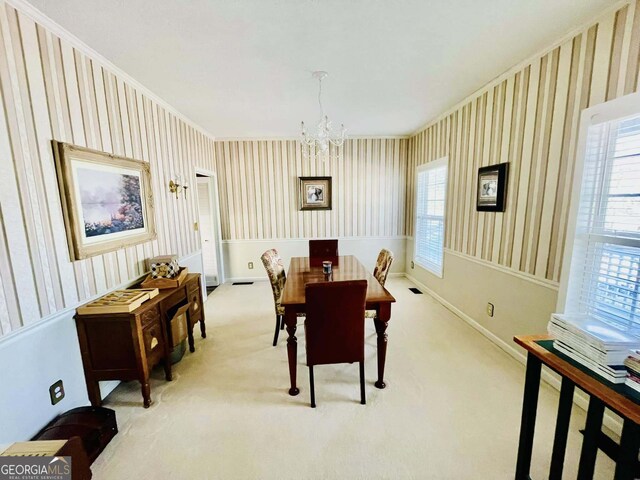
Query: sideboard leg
(146,393)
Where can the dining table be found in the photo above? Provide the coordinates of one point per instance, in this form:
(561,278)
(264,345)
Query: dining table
(301,273)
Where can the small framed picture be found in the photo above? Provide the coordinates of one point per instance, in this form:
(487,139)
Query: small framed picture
(315,193)
(492,188)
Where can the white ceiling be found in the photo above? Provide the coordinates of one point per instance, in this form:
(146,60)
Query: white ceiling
(242,68)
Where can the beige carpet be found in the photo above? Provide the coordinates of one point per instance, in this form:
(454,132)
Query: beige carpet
(451,409)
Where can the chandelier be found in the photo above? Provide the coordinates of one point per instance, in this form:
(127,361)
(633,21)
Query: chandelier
(320,143)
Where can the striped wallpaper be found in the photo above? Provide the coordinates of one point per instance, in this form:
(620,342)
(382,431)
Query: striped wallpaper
(259,189)
(530,119)
(50,90)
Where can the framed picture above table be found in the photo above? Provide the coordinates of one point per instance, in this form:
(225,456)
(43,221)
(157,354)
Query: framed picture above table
(492,188)
(315,193)
(106,200)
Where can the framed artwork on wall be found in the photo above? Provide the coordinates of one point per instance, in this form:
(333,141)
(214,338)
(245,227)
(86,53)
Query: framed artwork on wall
(315,193)
(492,188)
(106,200)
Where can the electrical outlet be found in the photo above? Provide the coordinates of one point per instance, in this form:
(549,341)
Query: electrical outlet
(56,392)
(250,265)
(490,309)
(412,264)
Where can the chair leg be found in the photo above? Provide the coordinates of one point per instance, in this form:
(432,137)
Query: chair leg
(275,336)
(363,397)
(281,322)
(311,387)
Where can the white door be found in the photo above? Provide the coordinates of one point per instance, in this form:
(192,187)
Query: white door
(207,227)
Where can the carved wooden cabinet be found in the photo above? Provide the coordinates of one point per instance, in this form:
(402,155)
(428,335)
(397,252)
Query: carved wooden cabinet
(126,346)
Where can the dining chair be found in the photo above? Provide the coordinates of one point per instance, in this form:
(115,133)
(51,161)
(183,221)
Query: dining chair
(275,271)
(321,250)
(380,272)
(334,327)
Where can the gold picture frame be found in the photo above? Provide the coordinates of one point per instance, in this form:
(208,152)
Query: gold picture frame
(315,193)
(106,200)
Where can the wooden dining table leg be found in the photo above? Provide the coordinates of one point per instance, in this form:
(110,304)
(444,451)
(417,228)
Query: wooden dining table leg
(383,314)
(291,320)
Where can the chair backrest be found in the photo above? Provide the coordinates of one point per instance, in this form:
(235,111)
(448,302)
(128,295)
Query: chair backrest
(321,250)
(334,327)
(275,271)
(383,265)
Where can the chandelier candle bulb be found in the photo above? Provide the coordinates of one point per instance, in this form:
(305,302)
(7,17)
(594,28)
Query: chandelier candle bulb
(321,143)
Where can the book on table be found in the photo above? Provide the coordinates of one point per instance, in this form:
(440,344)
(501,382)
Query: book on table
(595,344)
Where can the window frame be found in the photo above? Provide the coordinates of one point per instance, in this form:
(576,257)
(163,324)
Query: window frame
(438,163)
(611,111)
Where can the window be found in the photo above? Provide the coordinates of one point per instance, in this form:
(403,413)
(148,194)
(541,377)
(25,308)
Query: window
(604,281)
(431,189)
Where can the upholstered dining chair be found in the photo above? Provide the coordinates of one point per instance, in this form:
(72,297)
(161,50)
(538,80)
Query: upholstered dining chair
(275,271)
(380,272)
(321,250)
(334,327)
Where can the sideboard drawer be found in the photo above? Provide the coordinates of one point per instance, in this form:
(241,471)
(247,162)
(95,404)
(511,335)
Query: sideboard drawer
(153,343)
(150,316)
(195,307)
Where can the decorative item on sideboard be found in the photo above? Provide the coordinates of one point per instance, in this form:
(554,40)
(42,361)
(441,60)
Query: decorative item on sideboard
(164,266)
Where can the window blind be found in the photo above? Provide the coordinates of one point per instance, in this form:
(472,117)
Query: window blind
(431,186)
(604,281)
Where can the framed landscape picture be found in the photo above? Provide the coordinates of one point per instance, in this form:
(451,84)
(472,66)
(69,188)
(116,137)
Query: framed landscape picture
(106,200)
(492,188)
(315,193)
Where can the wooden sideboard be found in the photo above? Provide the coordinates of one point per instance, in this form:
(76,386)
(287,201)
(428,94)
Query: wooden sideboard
(126,346)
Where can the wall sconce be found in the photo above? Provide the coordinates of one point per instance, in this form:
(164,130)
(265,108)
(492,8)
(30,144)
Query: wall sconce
(176,186)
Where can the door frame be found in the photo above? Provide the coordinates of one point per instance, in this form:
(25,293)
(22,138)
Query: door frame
(217,226)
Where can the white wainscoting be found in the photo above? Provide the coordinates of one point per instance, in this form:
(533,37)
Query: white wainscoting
(238,253)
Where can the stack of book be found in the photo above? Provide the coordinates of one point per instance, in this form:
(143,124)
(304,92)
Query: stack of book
(596,345)
(632,363)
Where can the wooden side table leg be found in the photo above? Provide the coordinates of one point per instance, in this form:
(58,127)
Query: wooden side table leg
(592,431)
(628,456)
(528,421)
(192,347)
(166,364)
(203,328)
(93,390)
(562,429)
(146,392)
(292,349)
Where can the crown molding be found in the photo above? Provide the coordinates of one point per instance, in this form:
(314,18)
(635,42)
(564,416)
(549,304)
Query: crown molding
(40,18)
(297,138)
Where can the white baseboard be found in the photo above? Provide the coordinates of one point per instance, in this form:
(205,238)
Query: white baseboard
(579,398)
